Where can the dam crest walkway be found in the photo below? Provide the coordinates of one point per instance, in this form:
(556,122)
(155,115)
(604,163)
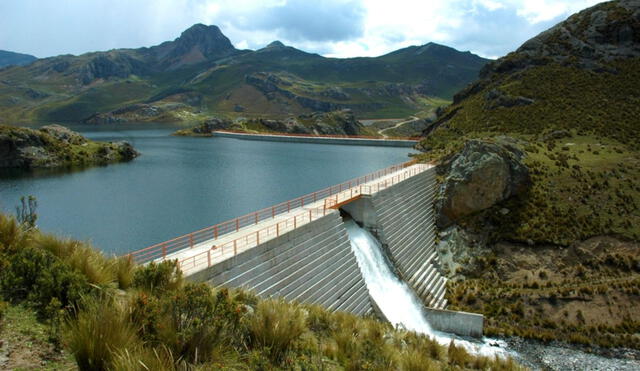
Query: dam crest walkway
(204,248)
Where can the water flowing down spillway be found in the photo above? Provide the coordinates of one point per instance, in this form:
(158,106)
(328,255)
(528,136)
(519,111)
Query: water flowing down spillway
(395,298)
(397,301)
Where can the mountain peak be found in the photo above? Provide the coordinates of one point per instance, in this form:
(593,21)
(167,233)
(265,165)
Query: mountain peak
(208,39)
(196,44)
(276,44)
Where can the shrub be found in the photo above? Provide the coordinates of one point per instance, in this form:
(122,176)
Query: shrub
(158,277)
(82,257)
(275,326)
(100,332)
(38,276)
(193,323)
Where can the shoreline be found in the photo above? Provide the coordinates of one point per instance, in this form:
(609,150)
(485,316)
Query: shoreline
(409,143)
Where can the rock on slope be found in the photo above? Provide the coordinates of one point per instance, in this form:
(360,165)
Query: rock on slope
(56,146)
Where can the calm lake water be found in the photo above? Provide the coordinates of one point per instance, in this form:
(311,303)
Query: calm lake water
(179,185)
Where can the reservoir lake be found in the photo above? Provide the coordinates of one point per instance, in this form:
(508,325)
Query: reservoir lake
(181,184)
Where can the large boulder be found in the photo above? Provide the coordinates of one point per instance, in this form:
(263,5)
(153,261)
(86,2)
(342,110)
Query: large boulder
(482,175)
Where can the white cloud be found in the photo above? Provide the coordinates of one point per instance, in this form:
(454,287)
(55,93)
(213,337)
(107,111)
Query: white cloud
(341,28)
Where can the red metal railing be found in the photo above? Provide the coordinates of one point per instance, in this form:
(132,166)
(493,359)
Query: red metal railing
(413,139)
(215,232)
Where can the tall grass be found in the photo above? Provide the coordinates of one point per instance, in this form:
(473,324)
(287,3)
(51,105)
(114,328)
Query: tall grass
(82,257)
(100,331)
(275,326)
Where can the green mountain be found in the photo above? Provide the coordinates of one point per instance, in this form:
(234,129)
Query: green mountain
(545,262)
(15,59)
(200,73)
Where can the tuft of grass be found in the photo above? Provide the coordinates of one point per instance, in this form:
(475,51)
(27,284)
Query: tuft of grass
(275,326)
(100,331)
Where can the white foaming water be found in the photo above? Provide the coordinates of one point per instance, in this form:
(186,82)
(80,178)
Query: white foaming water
(396,299)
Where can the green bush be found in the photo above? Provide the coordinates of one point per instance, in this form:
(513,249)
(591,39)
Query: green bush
(275,326)
(193,323)
(37,276)
(158,277)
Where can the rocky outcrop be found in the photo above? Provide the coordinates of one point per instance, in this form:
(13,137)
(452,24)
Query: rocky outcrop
(56,146)
(206,128)
(272,85)
(482,175)
(496,98)
(111,65)
(140,113)
(332,123)
(599,34)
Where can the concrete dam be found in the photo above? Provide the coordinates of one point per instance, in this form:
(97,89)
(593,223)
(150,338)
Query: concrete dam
(300,250)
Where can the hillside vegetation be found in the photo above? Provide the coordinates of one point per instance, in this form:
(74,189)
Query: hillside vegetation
(110,314)
(201,74)
(559,261)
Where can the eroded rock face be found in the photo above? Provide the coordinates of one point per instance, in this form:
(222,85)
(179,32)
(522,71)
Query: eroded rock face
(480,176)
(56,146)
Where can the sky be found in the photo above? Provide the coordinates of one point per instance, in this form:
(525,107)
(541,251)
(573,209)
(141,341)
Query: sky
(335,28)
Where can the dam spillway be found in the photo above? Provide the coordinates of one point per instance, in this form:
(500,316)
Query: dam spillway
(300,250)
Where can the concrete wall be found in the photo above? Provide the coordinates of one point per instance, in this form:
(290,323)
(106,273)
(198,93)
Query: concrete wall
(459,323)
(312,264)
(402,218)
(319,140)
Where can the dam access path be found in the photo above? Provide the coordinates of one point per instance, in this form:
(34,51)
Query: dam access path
(300,249)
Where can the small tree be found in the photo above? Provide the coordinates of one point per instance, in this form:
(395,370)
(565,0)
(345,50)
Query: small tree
(26,212)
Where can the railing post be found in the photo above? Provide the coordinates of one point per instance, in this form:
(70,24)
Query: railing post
(257,238)
(310,219)
(215,232)
(237,224)
(273,211)
(191,240)
(294,222)
(208,258)
(235,247)
(256,218)
(277,229)
(288,206)
(314,196)
(164,251)
(301,201)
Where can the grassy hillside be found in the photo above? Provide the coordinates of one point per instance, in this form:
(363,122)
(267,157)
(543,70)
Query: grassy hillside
(110,314)
(73,88)
(560,260)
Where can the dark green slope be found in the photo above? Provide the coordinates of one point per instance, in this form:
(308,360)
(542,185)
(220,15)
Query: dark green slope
(201,73)
(14,59)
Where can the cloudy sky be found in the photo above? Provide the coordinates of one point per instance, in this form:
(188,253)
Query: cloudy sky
(339,28)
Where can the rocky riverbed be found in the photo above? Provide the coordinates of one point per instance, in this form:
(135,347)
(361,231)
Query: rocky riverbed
(560,356)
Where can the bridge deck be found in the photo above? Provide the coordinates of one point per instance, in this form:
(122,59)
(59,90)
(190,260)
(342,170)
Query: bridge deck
(202,249)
